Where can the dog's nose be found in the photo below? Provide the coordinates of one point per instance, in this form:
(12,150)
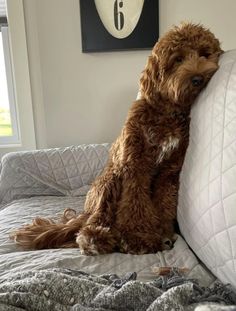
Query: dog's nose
(197,80)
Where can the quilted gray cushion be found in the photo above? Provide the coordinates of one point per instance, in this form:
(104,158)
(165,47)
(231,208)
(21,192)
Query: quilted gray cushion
(13,259)
(58,171)
(207,197)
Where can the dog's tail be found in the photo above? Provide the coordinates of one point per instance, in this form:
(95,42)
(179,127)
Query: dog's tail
(45,233)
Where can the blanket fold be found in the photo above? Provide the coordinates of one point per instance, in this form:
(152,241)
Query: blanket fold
(71,290)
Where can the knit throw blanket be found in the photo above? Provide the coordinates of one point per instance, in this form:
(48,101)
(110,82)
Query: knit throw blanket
(69,290)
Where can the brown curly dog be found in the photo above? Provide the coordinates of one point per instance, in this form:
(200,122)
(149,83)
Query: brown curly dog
(131,207)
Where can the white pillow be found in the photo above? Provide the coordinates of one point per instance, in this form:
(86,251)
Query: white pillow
(207,196)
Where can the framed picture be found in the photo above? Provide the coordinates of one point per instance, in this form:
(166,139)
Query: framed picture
(111,25)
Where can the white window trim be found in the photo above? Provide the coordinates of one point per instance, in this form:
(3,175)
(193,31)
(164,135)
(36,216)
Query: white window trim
(15,138)
(21,77)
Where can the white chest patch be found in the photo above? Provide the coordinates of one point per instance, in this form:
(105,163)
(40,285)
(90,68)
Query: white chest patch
(167,147)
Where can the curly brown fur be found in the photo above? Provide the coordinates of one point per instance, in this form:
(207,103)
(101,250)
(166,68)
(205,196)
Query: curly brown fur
(131,207)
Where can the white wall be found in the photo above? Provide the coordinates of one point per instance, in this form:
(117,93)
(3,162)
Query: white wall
(218,15)
(84,98)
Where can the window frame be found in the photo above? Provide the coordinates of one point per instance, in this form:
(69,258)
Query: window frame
(21,78)
(15,138)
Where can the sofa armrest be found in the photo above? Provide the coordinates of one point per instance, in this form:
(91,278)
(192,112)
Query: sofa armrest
(57,171)
(207,194)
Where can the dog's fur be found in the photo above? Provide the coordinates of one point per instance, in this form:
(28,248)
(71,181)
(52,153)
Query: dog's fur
(131,207)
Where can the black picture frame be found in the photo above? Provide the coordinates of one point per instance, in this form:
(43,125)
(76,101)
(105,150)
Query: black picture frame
(95,37)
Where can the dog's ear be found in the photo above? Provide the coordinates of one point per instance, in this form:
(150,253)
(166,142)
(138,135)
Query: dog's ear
(149,78)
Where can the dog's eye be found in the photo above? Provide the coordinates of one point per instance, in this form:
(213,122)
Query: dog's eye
(204,54)
(179,59)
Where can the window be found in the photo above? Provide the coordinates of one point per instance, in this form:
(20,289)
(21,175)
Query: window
(16,120)
(9,130)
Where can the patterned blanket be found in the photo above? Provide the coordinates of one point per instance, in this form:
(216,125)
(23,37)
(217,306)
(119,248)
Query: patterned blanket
(70,290)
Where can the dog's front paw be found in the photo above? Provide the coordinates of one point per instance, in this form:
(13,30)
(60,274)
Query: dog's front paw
(86,245)
(140,243)
(96,240)
(129,248)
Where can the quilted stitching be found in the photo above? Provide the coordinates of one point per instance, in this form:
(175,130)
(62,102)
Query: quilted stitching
(58,171)
(207,196)
(18,212)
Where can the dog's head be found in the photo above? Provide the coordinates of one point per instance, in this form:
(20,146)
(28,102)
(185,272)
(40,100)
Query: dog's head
(181,64)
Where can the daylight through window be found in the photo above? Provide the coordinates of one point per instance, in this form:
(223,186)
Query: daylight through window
(8,117)
(5,116)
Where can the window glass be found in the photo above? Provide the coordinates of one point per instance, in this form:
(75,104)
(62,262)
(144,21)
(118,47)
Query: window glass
(5,116)
(9,130)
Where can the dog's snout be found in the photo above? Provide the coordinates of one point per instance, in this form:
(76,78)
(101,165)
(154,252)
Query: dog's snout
(197,80)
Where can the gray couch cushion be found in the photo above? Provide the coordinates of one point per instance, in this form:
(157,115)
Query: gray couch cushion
(207,197)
